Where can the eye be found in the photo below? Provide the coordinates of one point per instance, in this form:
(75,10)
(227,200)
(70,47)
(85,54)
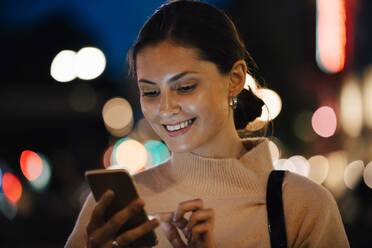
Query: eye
(186,88)
(151,93)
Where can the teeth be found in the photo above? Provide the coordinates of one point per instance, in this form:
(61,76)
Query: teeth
(178,126)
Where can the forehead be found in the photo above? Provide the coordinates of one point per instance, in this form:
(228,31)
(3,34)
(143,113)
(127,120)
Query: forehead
(165,59)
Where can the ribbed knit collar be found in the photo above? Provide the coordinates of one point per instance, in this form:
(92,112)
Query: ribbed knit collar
(220,177)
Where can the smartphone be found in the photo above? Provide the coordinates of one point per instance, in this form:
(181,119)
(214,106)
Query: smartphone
(121,183)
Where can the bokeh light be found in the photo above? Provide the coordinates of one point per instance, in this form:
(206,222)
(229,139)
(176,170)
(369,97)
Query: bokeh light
(8,209)
(62,68)
(301,165)
(250,83)
(41,182)
(367,175)
(118,116)
(31,164)
(273,104)
(351,109)
(158,153)
(90,63)
(107,157)
(129,154)
(324,121)
(330,35)
(12,187)
(319,168)
(284,164)
(274,151)
(353,173)
(1,178)
(367,96)
(335,180)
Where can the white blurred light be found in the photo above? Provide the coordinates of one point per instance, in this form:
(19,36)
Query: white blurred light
(43,180)
(273,104)
(131,155)
(351,110)
(274,151)
(353,173)
(284,164)
(324,121)
(118,116)
(367,175)
(319,168)
(367,96)
(62,68)
(301,165)
(90,63)
(250,83)
(335,180)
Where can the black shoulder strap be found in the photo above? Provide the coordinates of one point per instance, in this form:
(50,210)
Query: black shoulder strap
(275,211)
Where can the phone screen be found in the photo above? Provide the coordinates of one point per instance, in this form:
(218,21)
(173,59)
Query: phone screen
(120,182)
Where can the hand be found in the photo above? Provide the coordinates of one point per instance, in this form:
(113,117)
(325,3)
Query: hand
(198,229)
(101,233)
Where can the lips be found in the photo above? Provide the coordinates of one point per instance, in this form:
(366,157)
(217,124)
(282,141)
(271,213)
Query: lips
(178,129)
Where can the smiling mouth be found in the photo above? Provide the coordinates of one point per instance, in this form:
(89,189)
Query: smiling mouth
(179,126)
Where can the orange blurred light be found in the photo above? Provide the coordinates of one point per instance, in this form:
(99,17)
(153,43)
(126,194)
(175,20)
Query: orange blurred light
(31,165)
(331,35)
(12,187)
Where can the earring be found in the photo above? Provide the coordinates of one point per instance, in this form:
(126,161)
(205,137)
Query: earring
(233,102)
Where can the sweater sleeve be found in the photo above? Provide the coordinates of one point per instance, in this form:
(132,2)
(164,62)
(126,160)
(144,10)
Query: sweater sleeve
(311,214)
(77,238)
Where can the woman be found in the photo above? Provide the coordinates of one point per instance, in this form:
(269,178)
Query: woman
(190,66)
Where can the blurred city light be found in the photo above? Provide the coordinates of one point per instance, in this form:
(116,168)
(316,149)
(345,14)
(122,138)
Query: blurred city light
(41,182)
(8,209)
(62,68)
(319,168)
(302,127)
(330,35)
(367,175)
(250,83)
(118,116)
(301,165)
(367,96)
(353,173)
(1,177)
(83,98)
(107,157)
(31,164)
(335,180)
(90,63)
(12,187)
(129,154)
(351,109)
(284,164)
(324,121)
(158,153)
(274,151)
(273,104)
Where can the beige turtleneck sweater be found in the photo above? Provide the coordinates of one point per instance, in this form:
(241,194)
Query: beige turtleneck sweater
(236,190)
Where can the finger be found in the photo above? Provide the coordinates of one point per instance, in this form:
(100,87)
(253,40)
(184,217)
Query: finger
(202,215)
(97,217)
(112,226)
(137,232)
(201,231)
(186,206)
(169,229)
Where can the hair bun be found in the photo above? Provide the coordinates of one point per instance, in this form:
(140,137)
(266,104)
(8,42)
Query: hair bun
(248,109)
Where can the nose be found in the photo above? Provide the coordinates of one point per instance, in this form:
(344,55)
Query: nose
(168,105)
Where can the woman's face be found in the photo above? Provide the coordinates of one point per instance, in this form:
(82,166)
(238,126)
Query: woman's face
(184,99)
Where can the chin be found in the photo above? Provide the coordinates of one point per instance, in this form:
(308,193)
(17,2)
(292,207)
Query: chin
(180,148)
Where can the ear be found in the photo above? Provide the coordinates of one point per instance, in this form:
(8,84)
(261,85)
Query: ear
(238,73)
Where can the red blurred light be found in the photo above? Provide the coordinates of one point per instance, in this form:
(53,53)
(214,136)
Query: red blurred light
(12,187)
(31,165)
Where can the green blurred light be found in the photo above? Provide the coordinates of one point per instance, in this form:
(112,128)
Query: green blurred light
(158,152)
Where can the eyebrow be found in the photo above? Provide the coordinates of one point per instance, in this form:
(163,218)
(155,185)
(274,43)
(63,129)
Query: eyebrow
(172,79)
